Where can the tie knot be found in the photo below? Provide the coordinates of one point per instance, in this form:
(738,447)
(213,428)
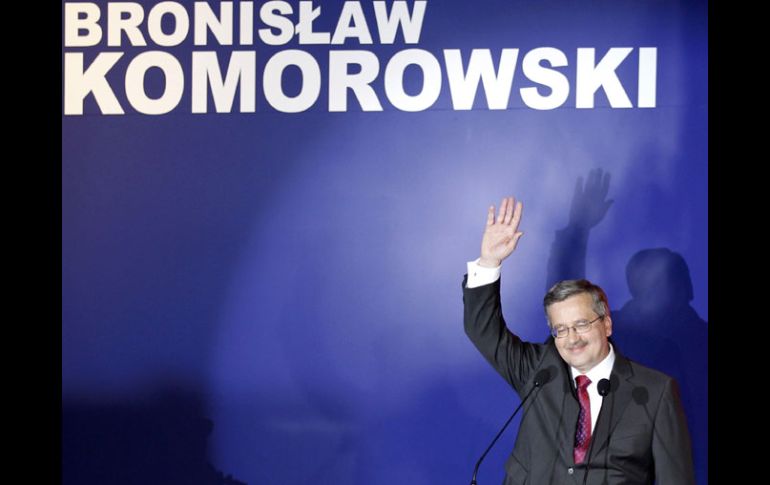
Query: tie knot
(582,382)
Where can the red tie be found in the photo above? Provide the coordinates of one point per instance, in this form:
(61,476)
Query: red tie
(583,432)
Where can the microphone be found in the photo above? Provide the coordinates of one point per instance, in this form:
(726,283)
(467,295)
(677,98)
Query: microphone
(541,378)
(603,387)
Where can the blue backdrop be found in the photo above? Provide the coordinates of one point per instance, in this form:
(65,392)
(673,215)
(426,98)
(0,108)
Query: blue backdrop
(276,296)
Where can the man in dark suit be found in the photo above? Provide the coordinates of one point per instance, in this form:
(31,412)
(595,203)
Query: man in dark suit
(635,433)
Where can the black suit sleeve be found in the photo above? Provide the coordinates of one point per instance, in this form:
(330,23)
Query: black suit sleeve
(511,357)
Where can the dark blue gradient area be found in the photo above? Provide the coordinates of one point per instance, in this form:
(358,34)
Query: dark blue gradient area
(275,298)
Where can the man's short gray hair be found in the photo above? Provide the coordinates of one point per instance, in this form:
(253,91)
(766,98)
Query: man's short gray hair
(567,288)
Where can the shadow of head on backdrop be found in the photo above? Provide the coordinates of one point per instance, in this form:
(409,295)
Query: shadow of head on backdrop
(658,279)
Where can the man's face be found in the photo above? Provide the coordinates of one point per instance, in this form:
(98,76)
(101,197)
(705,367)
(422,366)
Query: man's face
(580,350)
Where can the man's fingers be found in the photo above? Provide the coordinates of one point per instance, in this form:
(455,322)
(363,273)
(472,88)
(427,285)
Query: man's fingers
(508,211)
(508,214)
(501,213)
(517,215)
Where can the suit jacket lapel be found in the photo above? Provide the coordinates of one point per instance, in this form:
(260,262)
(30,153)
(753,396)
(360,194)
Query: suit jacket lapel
(569,416)
(614,404)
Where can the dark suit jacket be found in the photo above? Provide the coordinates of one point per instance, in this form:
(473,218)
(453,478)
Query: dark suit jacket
(640,436)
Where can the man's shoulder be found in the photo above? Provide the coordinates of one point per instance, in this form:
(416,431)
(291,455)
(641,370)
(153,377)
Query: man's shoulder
(648,376)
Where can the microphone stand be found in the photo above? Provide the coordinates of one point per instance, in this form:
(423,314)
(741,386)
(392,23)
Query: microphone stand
(478,463)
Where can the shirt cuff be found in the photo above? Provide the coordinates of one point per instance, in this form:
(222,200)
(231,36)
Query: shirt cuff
(481,275)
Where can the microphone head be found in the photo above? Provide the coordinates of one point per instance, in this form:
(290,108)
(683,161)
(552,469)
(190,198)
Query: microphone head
(603,387)
(543,376)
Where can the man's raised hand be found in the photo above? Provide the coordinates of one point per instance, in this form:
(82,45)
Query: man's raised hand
(500,236)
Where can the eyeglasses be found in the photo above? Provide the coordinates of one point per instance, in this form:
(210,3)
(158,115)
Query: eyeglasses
(581,326)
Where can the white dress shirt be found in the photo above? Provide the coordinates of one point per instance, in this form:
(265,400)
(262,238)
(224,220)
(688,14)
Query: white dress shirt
(602,370)
(481,275)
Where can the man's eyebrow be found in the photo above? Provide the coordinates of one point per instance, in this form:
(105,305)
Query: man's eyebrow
(574,322)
